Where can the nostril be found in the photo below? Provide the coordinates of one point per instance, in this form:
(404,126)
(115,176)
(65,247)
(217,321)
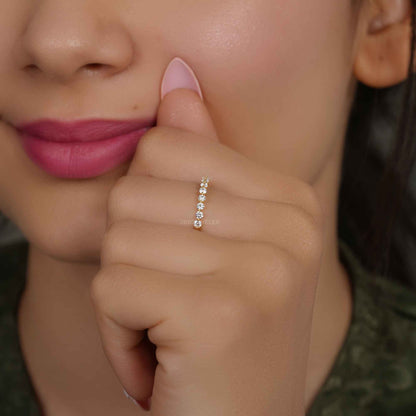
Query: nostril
(94,66)
(30,69)
(97,68)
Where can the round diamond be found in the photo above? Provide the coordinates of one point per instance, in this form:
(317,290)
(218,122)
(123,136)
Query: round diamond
(204,184)
(197,224)
(202,198)
(200,205)
(199,215)
(202,190)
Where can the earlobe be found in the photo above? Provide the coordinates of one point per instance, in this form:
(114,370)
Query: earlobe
(383,56)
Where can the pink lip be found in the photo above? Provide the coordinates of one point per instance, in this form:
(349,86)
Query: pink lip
(81,149)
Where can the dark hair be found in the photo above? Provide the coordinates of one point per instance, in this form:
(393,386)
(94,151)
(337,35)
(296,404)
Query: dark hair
(377,208)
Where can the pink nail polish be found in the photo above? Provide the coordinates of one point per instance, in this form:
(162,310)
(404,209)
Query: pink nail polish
(179,74)
(144,404)
(377,24)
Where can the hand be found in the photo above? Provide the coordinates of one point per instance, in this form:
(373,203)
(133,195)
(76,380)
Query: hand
(228,309)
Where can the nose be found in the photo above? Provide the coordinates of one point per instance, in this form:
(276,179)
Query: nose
(68,38)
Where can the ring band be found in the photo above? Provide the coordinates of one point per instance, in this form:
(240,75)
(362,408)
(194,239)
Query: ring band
(200,205)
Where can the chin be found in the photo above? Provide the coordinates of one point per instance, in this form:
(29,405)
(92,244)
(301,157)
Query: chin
(73,239)
(66,219)
(72,227)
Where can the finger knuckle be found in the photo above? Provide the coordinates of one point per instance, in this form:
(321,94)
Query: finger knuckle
(313,204)
(279,277)
(306,196)
(273,258)
(310,236)
(232,309)
(149,147)
(235,316)
(101,288)
(225,311)
(268,254)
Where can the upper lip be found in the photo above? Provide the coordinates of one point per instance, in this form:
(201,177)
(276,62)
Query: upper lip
(82,130)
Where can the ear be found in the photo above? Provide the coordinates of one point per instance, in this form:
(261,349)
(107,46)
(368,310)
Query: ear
(383,55)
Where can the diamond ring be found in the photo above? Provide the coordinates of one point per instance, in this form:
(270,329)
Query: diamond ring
(202,196)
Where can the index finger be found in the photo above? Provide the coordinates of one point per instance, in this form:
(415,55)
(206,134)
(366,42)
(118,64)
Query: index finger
(176,154)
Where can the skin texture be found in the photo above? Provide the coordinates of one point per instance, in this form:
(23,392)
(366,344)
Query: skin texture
(277,86)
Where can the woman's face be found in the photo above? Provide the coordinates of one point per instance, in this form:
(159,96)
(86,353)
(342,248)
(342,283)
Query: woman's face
(276,77)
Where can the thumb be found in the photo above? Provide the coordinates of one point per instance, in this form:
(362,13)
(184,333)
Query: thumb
(182,104)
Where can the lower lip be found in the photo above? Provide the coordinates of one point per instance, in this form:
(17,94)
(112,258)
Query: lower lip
(81,159)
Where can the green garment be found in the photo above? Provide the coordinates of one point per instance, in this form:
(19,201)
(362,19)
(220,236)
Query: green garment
(373,374)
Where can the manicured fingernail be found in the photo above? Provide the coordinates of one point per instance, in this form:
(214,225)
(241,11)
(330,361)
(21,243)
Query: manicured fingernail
(377,24)
(145,404)
(179,74)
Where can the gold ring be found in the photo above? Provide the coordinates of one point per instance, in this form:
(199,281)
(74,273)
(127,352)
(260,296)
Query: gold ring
(201,203)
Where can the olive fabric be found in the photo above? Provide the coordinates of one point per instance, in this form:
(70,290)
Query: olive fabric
(17,395)
(374,373)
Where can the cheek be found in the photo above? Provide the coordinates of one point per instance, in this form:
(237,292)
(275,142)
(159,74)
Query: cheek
(272,72)
(239,43)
